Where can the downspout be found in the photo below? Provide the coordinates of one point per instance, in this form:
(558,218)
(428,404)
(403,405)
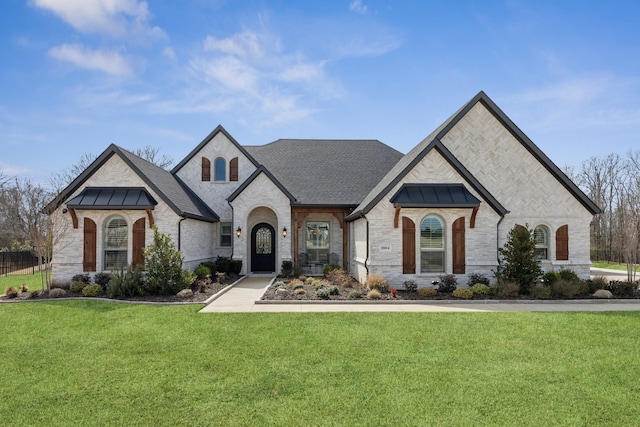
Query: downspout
(233,219)
(498,236)
(366,260)
(179,230)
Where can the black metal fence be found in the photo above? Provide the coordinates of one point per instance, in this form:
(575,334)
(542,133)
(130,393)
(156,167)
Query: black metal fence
(23,262)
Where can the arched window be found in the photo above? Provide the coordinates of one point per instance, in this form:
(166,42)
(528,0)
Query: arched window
(116,241)
(541,238)
(432,245)
(219,169)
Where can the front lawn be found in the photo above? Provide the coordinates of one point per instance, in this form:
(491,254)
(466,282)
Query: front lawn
(97,363)
(31,280)
(611,265)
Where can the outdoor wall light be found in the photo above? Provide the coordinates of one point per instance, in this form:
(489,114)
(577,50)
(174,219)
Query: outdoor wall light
(239,232)
(284,232)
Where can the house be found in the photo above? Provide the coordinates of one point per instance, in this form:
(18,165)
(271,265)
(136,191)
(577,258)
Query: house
(443,208)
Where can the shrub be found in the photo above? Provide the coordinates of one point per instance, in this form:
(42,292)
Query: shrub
(374,294)
(321,284)
(478,278)
(540,292)
(11,292)
(235,266)
(599,282)
(57,293)
(339,277)
(393,292)
(550,277)
(299,291)
(125,283)
(92,290)
(210,265)
(378,283)
(199,286)
(297,271)
(202,271)
(164,266)
(464,293)
(309,281)
(355,294)
(323,293)
(287,268)
(622,289)
(329,268)
(81,278)
(279,285)
(77,286)
(188,277)
(506,289)
(333,290)
(222,265)
(448,283)
(410,285)
(24,288)
(428,291)
(569,289)
(481,289)
(568,275)
(102,279)
(519,263)
(296,284)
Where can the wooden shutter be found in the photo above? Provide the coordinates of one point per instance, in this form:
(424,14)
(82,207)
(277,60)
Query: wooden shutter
(562,243)
(233,169)
(408,246)
(206,169)
(89,251)
(138,243)
(458,232)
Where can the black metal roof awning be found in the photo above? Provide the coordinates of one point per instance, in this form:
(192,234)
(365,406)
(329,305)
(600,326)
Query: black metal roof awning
(434,196)
(113,198)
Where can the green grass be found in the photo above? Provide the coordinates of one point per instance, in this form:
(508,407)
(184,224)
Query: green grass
(31,280)
(611,265)
(96,363)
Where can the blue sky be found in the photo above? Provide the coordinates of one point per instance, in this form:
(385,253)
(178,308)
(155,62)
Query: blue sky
(77,76)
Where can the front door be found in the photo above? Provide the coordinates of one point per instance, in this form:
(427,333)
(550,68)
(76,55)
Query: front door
(263,248)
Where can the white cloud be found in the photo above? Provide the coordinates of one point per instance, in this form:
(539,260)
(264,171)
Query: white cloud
(10,170)
(109,62)
(357,7)
(168,52)
(245,44)
(117,18)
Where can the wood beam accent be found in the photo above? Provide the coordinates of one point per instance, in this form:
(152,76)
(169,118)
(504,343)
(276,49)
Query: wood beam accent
(396,219)
(74,217)
(150,215)
(472,223)
(299,215)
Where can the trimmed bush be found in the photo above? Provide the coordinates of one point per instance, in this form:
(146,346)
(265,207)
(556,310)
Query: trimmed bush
(448,283)
(410,285)
(60,285)
(202,271)
(222,265)
(102,279)
(568,275)
(464,293)
(569,289)
(550,277)
(540,292)
(11,292)
(57,293)
(428,291)
(622,289)
(81,278)
(481,289)
(355,294)
(235,266)
(478,278)
(77,286)
(163,262)
(506,289)
(92,290)
(374,294)
(333,290)
(378,283)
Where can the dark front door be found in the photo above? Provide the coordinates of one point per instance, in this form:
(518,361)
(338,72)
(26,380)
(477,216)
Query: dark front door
(263,248)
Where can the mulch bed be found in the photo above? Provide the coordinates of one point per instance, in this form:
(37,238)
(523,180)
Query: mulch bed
(208,290)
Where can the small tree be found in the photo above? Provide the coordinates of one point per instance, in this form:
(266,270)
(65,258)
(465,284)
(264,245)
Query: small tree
(519,262)
(163,263)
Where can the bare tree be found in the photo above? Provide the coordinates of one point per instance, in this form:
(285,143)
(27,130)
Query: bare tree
(152,154)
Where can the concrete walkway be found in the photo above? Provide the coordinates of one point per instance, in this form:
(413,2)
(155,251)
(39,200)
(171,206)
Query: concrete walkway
(245,296)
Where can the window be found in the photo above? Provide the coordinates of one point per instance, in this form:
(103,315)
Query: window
(318,242)
(220,169)
(225,234)
(541,238)
(432,245)
(115,243)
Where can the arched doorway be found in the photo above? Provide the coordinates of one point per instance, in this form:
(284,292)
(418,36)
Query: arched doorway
(263,248)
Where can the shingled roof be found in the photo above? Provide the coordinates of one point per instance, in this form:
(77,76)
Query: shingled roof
(326,172)
(168,187)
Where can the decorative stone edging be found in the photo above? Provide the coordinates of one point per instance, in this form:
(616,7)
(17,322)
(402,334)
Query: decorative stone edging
(461,301)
